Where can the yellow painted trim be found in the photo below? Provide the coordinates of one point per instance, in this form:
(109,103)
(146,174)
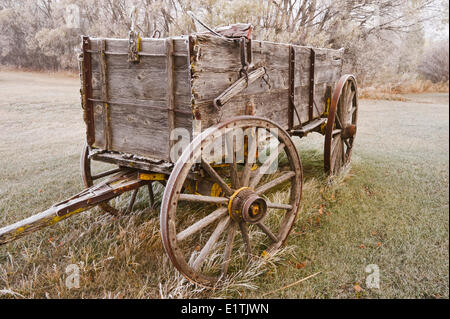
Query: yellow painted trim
(220,165)
(233,196)
(327,109)
(216,190)
(21,230)
(139,43)
(323,127)
(152,177)
(56,219)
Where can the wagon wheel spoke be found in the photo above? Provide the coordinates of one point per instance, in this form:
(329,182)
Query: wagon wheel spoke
(343,153)
(336,150)
(350,101)
(132,200)
(347,98)
(245,237)
(228,248)
(339,152)
(203,199)
(347,116)
(267,231)
(339,123)
(347,142)
(202,223)
(265,167)
(279,206)
(231,149)
(336,143)
(336,131)
(251,159)
(211,172)
(339,155)
(275,182)
(206,250)
(340,113)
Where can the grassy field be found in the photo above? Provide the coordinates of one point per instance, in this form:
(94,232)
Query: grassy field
(390,209)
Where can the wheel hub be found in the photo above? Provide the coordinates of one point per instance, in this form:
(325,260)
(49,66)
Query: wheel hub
(246,205)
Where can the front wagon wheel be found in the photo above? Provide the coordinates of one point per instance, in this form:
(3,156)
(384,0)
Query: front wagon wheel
(210,237)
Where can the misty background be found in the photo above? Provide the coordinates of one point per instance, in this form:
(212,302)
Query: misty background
(386,41)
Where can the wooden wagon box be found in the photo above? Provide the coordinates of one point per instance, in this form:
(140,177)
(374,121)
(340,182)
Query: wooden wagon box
(131,107)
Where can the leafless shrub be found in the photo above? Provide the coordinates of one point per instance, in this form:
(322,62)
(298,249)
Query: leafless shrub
(435,63)
(394,91)
(34,33)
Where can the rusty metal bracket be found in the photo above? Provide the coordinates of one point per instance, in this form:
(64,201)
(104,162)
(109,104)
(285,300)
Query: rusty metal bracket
(245,47)
(86,87)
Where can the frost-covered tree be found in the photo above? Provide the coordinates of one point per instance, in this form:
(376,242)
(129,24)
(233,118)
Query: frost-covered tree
(383,39)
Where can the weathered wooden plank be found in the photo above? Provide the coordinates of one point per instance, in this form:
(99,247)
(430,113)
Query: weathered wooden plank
(138,131)
(170,87)
(139,94)
(87,90)
(148,45)
(202,223)
(149,63)
(216,65)
(140,101)
(98,123)
(272,105)
(181,45)
(118,159)
(105,96)
(238,86)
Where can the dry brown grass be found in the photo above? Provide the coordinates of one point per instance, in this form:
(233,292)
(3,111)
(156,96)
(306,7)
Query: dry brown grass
(53,74)
(394,91)
(389,209)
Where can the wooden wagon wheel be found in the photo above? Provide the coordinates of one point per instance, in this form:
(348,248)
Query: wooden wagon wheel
(341,125)
(201,233)
(89,178)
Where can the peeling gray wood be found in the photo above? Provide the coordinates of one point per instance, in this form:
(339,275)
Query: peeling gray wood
(216,66)
(141,94)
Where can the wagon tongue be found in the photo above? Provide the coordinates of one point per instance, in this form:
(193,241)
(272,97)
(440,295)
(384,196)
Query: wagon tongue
(115,185)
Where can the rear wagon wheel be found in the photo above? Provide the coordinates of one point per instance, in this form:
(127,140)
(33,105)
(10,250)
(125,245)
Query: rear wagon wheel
(341,125)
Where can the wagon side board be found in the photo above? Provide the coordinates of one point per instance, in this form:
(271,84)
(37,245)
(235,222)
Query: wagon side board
(132,107)
(215,64)
(135,105)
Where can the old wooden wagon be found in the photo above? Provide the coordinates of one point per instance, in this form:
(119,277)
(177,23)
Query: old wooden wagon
(217,210)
